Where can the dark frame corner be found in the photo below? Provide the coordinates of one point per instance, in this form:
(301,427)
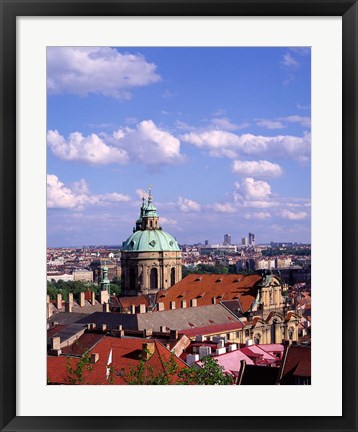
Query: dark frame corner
(9,10)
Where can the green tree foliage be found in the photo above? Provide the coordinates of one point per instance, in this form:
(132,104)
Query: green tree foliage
(75,287)
(66,287)
(287,251)
(74,374)
(144,374)
(210,373)
(216,269)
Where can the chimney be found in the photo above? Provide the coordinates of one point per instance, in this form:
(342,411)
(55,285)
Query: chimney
(148,350)
(106,307)
(147,333)
(220,351)
(120,327)
(93,298)
(163,329)
(192,358)
(56,343)
(142,308)
(174,334)
(49,311)
(183,304)
(59,301)
(69,304)
(104,327)
(132,309)
(213,300)
(160,306)
(94,358)
(82,299)
(104,297)
(172,305)
(193,302)
(221,343)
(120,332)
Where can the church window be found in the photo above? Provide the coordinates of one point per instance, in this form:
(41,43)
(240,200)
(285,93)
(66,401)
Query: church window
(153,278)
(257,339)
(172,276)
(273,332)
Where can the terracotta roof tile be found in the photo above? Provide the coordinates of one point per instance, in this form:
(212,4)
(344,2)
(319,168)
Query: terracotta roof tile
(86,342)
(297,364)
(204,287)
(126,302)
(125,354)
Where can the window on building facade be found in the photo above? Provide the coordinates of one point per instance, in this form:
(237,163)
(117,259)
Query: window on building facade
(153,278)
(172,276)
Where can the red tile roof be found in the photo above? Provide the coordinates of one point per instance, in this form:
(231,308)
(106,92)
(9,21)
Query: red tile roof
(53,330)
(126,302)
(86,342)
(298,362)
(212,329)
(125,354)
(206,286)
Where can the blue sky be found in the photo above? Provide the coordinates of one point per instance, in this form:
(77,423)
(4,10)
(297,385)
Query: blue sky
(221,134)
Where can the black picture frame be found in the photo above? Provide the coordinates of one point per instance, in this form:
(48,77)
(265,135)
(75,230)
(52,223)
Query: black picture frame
(10,9)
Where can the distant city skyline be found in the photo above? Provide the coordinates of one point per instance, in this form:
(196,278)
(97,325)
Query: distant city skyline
(221,134)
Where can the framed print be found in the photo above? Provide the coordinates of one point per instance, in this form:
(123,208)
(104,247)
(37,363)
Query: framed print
(211,120)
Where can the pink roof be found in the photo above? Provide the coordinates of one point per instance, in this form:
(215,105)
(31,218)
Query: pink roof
(254,351)
(272,347)
(231,361)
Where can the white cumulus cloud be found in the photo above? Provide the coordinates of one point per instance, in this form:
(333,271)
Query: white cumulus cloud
(288,214)
(224,207)
(146,144)
(304,121)
(97,70)
(222,143)
(269,124)
(187,205)
(261,168)
(61,196)
(91,149)
(255,189)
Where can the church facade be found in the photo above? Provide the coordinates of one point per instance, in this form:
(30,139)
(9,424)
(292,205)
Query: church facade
(150,258)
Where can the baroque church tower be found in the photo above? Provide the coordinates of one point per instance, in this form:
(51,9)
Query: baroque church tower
(151,258)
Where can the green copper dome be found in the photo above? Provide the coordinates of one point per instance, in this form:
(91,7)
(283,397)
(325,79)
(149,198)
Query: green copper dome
(150,241)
